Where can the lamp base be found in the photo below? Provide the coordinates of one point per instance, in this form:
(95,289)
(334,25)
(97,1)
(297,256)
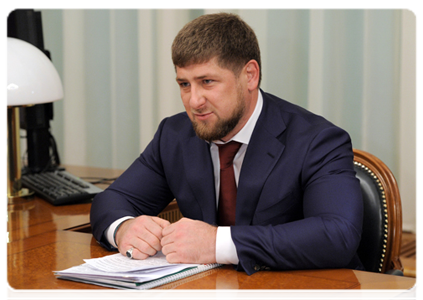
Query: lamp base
(18,203)
(22,193)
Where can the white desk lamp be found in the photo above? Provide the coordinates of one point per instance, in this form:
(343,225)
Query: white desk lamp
(31,79)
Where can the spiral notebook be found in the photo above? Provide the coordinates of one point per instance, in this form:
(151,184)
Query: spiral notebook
(118,271)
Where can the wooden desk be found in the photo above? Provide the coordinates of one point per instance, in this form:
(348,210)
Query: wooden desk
(44,238)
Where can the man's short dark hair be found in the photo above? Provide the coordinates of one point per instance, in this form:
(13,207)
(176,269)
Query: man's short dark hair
(225,36)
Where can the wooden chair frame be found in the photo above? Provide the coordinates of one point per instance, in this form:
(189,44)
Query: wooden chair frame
(387,184)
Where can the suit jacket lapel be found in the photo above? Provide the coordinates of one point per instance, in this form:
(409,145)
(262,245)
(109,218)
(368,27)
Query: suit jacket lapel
(263,151)
(199,171)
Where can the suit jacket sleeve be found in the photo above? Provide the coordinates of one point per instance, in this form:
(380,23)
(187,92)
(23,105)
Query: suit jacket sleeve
(328,232)
(141,189)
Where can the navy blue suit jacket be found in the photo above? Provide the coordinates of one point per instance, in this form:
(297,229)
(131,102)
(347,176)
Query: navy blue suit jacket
(299,203)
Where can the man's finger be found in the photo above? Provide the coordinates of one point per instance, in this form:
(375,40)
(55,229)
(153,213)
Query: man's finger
(162,222)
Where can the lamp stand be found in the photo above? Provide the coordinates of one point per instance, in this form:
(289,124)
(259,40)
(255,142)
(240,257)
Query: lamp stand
(14,171)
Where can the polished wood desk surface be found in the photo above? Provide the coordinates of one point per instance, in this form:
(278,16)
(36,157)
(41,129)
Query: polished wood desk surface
(44,238)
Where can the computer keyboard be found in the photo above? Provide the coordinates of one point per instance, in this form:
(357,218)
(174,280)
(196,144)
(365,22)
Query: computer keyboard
(60,187)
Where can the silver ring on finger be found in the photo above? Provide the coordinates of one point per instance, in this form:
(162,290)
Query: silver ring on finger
(129,253)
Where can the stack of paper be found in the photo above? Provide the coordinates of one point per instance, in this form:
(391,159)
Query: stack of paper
(118,271)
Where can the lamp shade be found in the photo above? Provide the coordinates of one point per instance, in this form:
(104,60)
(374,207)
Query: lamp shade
(31,76)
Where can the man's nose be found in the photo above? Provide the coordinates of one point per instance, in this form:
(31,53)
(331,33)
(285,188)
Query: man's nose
(197,99)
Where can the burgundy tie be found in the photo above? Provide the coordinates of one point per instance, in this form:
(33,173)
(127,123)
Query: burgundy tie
(227,195)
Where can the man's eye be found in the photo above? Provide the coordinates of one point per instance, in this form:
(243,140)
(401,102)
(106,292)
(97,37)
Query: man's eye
(207,81)
(184,84)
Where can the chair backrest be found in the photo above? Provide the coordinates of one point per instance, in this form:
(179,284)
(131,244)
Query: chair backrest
(382,225)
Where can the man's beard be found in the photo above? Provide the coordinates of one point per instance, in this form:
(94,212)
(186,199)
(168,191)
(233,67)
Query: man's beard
(223,126)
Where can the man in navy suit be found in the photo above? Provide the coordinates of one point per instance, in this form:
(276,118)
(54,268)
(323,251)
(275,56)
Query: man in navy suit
(298,202)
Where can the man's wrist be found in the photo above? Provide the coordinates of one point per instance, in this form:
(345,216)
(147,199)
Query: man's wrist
(114,234)
(112,230)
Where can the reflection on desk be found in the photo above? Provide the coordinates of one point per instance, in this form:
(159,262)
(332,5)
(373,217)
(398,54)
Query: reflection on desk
(44,238)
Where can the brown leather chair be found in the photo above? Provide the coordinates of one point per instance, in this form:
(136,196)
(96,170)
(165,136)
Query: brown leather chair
(380,244)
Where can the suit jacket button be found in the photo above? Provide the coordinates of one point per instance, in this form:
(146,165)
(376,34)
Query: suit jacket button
(256,268)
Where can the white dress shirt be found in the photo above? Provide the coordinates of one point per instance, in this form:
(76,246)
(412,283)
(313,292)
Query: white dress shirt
(225,248)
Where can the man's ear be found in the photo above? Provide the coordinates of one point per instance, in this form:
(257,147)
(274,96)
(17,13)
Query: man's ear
(253,74)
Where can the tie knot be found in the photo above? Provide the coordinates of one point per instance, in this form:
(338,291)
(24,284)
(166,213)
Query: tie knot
(227,153)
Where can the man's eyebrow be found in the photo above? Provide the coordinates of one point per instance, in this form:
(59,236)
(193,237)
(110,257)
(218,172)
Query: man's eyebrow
(195,78)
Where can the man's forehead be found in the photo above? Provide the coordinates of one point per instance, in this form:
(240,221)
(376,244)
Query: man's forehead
(208,68)
(210,62)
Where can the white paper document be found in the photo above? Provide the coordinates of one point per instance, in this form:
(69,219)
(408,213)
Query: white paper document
(118,263)
(119,271)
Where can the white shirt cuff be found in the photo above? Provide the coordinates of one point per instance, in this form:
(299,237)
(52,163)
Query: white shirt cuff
(110,232)
(225,247)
